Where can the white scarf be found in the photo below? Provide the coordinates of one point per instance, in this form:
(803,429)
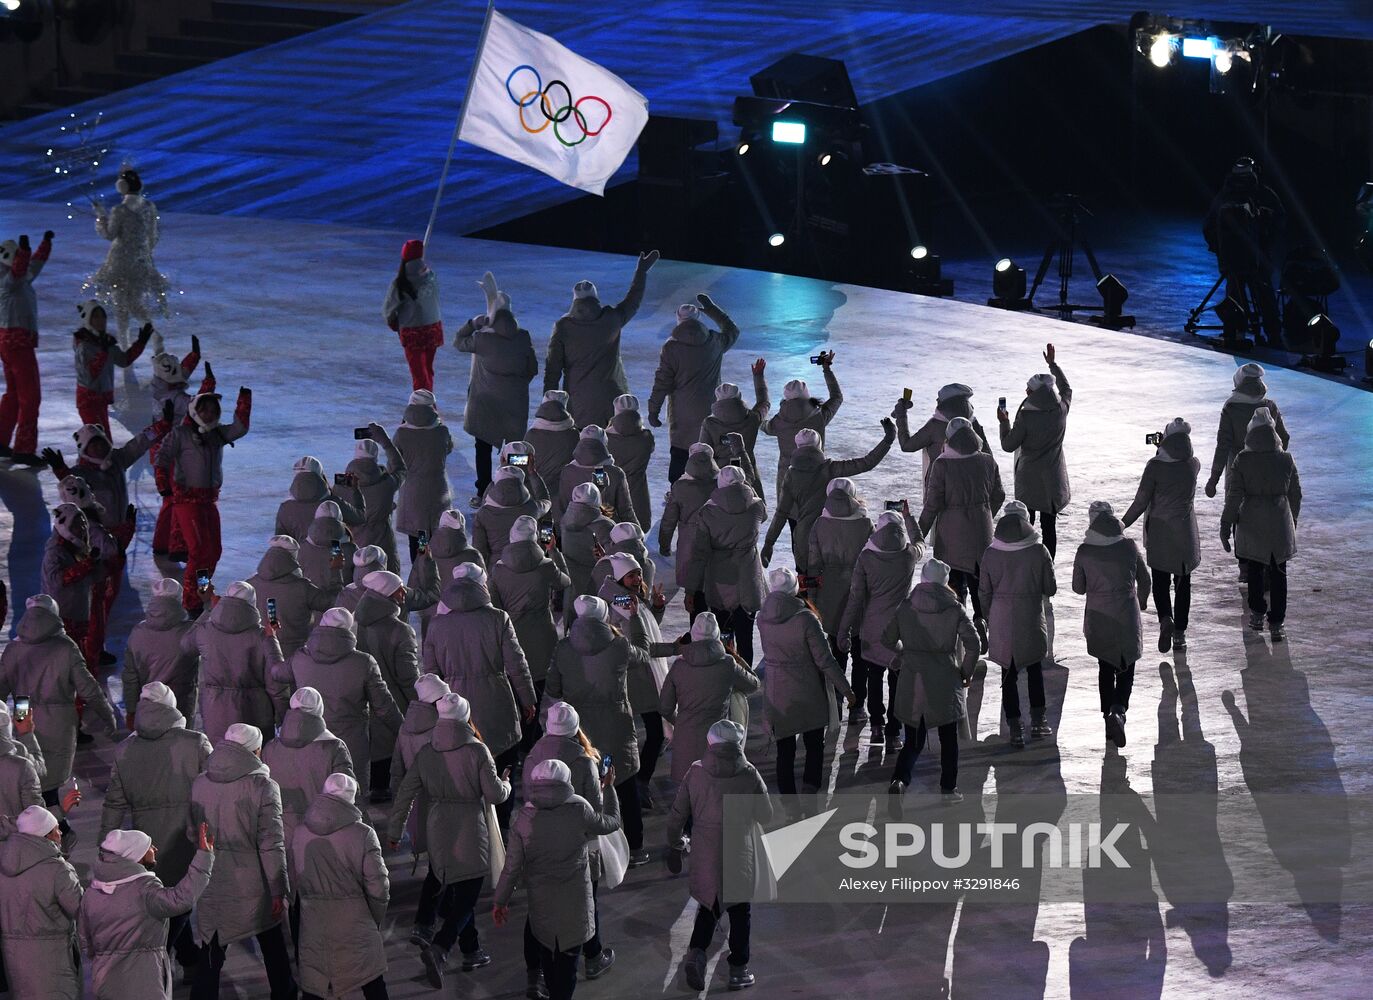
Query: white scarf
(1240,397)
(1024,543)
(540,424)
(1094,537)
(108,888)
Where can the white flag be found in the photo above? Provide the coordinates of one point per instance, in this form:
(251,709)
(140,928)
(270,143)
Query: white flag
(535,101)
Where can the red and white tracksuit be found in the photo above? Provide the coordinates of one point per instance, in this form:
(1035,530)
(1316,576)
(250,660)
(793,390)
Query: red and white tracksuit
(18,343)
(166,539)
(418,320)
(97,355)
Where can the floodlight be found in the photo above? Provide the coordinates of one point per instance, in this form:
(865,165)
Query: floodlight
(1161,50)
(743,148)
(776,240)
(793,133)
(1193,48)
(1008,285)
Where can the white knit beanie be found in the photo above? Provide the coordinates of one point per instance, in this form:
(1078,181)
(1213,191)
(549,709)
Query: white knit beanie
(730,475)
(593,431)
(309,701)
(470,571)
(454,707)
(131,845)
(588,606)
(701,448)
(369,555)
(1018,509)
(422,397)
(308,463)
(551,770)
(243,591)
(622,563)
(158,693)
(43,602)
(935,571)
(562,719)
(1247,371)
(686,311)
(726,390)
(340,786)
(782,580)
(366,448)
(283,542)
(244,735)
(725,731)
(1177,426)
(1263,417)
(1097,508)
(705,627)
(957,424)
(1041,381)
(36,822)
(842,485)
(330,510)
(525,529)
(626,402)
(382,582)
(167,587)
(586,493)
(625,531)
(337,618)
(555,396)
(584,289)
(953,391)
(453,519)
(796,389)
(507,472)
(429,688)
(807,437)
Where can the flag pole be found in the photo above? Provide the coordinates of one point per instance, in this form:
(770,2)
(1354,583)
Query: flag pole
(462,116)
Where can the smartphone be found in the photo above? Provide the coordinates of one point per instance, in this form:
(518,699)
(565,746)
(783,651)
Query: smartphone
(607,762)
(892,505)
(21,707)
(70,785)
(906,395)
(727,639)
(362,433)
(272,611)
(202,579)
(815,359)
(1154,439)
(341,479)
(336,548)
(623,600)
(1001,403)
(519,461)
(738,463)
(600,478)
(423,539)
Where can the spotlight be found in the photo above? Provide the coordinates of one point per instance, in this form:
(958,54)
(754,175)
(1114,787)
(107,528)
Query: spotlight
(919,253)
(1008,286)
(743,148)
(1161,50)
(776,240)
(1224,61)
(923,273)
(1113,296)
(10,4)
(825,159)
(791,133)
(1326,336)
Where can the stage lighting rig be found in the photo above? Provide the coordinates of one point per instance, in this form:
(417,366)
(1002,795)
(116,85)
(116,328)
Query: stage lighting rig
(924,273)
(1326,337)
(1008,286)
(1113,296)
(1236,51)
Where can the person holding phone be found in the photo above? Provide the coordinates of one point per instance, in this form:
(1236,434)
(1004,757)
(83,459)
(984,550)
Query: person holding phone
(424,442)
(22,767)
(421,587)
(585,533)
(375,489)
(457,775)
(507,499)
(385,634)
(728,415)
(326,553)
(592,463)
(552,435)
(952,401)
(1036,437)
(626,538)
(297,600)
(524,458)
(800,411)
(40,898)
(309,489)
(631,445)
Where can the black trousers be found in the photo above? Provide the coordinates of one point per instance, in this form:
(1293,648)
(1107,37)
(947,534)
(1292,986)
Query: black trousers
(180,940)
(867,682)
(559,967)
(483,463)
(458,904)
(1272,578)
(507,758)
(1177,610)
(381,774)
(1048,529)
(375,990)
(814,741)
(740,921)
(531,731)
(1010,694)
(965,584)
(676,463)
(428,908)
(948,755)
(653,745)
(740,622)
(1114,683)
(631,812)
(275,959)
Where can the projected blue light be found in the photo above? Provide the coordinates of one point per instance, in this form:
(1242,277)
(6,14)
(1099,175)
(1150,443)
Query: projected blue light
(791,132)
(1197,48)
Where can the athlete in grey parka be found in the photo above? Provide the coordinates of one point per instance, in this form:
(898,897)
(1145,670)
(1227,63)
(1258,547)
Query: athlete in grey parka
(151,776)
(631,445)
(626,538)
(421,586)
(729,415)
(553,435)
(128,910)
(592,461)
(40,896)
(309,489)
(723,561)
(584,527)
(377,489)
(522,584)
(157,650)
(1251,394)
(684,500)
(799,411)
(951,401)
(804,485)
(21,766)
(523,457)
(451,547)
(507,498)
(688,372)
(237,656)
(336,868)
(1036,437)
(584,351)
(41,661)
(302,756)
(705,684)
(318,562)
(298,601)
(836,539)
(503,365)
(424,442)
(386,635)
(356,698)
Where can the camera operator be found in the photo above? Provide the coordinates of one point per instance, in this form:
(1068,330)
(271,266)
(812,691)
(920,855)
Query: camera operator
(1241,229)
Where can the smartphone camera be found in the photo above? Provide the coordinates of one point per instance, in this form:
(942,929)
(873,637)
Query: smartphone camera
(727,638)
(272,611)
(1154,439)
(341,479)
(600,478)
(623,600)
(362,433)
(893,505)
(607,762)
(336,548)
(810,582)
(519,461)
(423,539)
(906,395)
(1001,403)
(21,707)
(545,532)
(817,359)
(202,580)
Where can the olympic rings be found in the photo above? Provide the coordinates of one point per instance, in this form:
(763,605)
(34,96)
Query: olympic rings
(555,114)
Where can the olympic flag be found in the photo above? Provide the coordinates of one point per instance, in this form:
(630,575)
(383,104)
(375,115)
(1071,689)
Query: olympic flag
(535,101)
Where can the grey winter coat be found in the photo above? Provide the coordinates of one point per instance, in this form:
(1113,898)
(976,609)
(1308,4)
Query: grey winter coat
(150,781)
(936,648)
(630,546)
(631,446)
(21,774)
(803,493)
(408,312)
(353,690)
(723,560)
(723,771)
(962,491)
(1036,437)
(239,800)
(42,662)
(685,498)
(523,582)
(377,491)
(1109,569)
(196,460)
(590,455)
(1264,501)
(424,442)
(688,372)
(40,897)
(344,888)
(590,671)
(503,365)
(836,538)
(584,353)
(1166,497)
(1233,431)
(586,778)
(298,601)
(421,587)
(317,556)
(643,630)
(308,491)
(474,649)
(506,501)
(801,671)
(794,414)
(1017,573)
(697,694)
(456,773)
(123,925)
(236,664)
(929,438)
(108,481)
(583,528)
(388,638)
(549,852)
(881,582)
(416,732)
(451,549)
(157,652)
(731,416)
(300,758)
(73,596)
(553,436)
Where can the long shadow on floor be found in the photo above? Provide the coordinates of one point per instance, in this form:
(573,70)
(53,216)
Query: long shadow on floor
(22,493)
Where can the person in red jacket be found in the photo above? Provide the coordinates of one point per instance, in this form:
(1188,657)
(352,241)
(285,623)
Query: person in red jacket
(18,344)
(194,455)
(97,355)
(412,310)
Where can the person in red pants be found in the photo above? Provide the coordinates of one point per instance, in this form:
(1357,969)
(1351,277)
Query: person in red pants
(97,355)
(170,377)
(18,343)
(194,453)
(412,310)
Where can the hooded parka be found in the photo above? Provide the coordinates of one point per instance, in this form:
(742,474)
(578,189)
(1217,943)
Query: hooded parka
(309,489)
(697,694)
(1017,573)
(936,648)
(157,652)
(1036,437)
(40,896)
(424,442)
(523,582)
(689,370)
(801,670)
(378,490)
(302,756)
(631,445)
(506,500)
(836,538)
(390,640)
(553,436)
(591,454)
(1166,497)
(503,365)
(1264,500)
(800,410)
(962,490)
(723,560)
(236,669)
(1109,569)
(685,498)
(728,415)
(298,601)
(882,579)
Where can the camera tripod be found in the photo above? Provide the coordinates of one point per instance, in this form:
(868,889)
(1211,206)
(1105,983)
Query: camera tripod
(1068,210)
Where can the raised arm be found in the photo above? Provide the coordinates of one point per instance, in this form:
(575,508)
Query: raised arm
(836,395)
(243,412)
(729,333)
(172,901)
(762,402)
(629,305)
(857,466)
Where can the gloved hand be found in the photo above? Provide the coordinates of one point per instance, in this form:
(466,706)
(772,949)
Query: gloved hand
(706,303)
(195,344)
(48,234)
(902,405)
(647,260)
(655,420)
(209,372)
(888,427)
(1225,539)
(145,331)
(766,554)
(24,242)
(1210,487)
(52,458)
